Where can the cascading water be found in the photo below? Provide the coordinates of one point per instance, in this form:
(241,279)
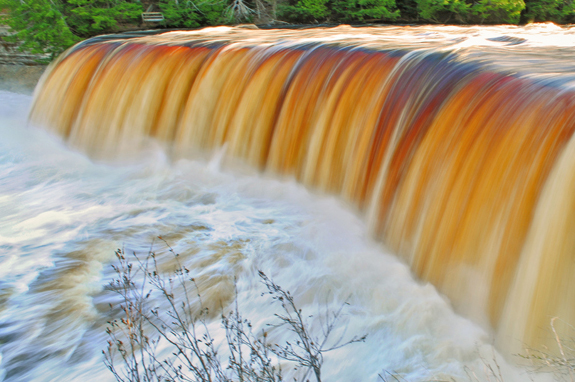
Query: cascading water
(63,217)
(455,143)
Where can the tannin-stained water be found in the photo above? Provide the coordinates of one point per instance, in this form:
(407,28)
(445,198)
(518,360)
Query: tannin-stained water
(63,216)
(455,144)
(448,140)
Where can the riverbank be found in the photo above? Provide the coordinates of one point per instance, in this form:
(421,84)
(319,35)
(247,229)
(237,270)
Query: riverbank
(19,71)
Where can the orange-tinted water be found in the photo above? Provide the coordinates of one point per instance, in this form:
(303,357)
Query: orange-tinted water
(460,156)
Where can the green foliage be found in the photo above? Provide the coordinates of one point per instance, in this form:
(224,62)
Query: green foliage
(365,10)
(187,14)
(480,11)
(443,11)
(306,11)
(39,25)
(91,17)
(408,10)
(506,11)
(179,14)
(211,11)
(316,9)
(51,26)
(558,11)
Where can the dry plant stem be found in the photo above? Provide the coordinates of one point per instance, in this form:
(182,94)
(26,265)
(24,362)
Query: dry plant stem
(563,366)
(562,351)
(194,355)
(308,350)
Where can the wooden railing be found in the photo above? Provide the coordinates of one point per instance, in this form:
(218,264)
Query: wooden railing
(152,17)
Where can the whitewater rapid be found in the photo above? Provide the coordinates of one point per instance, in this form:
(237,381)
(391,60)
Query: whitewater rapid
(62,216)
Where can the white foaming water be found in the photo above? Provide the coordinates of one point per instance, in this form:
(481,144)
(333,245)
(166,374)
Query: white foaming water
(63,216)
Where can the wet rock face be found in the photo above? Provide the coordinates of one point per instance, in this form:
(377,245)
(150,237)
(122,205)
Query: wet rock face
(19,71)
(20,78)
(11,54)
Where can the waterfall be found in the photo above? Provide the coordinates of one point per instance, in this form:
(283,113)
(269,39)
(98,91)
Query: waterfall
(459,156)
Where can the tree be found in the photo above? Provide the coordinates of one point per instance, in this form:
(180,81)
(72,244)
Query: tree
(39,25)
(365,10)
(443,11)
(189,14)
(507,11)
(52,26)
(305,11)
(91,17)
(558,11)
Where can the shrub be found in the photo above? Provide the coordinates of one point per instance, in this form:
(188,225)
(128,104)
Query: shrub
(39,26)
(443,11)
(189,14)
(91,17)
(366,10)
(488,11)
(306,11)
(557,11)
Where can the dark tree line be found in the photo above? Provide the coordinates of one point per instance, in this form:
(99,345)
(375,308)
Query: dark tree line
(50,26)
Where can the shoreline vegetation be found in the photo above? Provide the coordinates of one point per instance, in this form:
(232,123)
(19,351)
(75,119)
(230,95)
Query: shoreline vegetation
(48,27)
